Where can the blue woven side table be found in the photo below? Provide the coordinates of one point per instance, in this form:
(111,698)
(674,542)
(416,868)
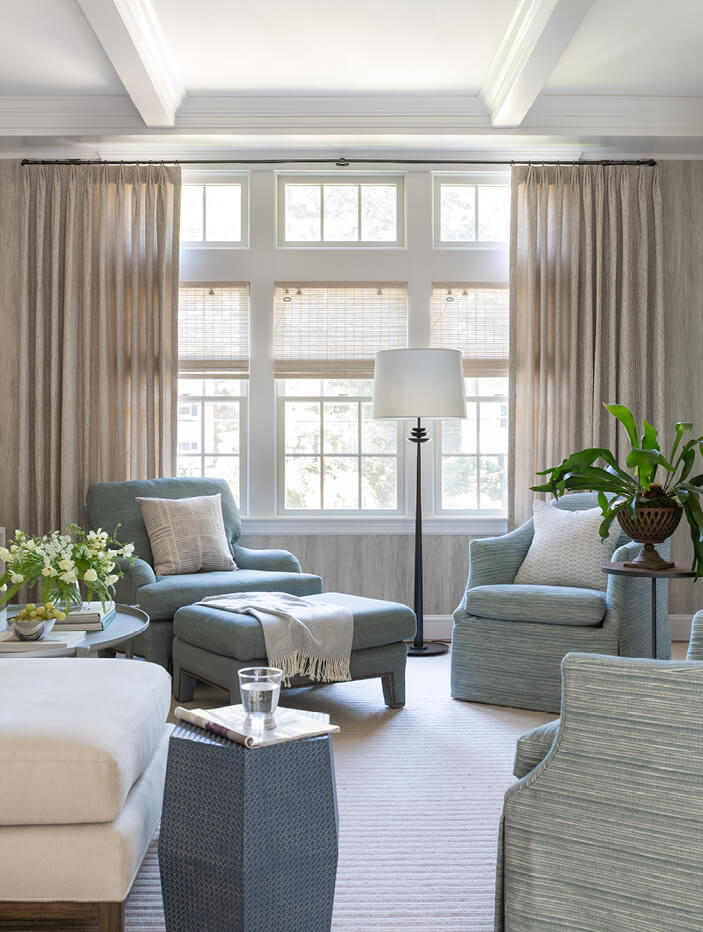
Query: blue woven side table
(248,835)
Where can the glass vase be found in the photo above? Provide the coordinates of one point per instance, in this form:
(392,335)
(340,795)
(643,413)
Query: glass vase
(68,598)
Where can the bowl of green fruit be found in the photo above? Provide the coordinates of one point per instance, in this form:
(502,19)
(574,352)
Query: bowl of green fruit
(34,622)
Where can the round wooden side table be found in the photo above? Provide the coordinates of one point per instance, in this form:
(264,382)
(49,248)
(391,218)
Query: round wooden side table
(672,572)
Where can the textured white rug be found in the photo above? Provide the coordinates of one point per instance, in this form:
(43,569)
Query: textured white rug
(420,792)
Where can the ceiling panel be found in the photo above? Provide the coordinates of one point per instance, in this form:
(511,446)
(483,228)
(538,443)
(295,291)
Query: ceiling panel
(643,47)
(315,46)
(47,47)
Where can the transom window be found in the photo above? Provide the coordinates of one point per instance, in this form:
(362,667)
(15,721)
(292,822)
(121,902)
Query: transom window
(211,414)
(215,212)
(341,210)
(336,457)
(471,209)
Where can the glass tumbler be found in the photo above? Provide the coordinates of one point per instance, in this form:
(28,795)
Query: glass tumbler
(260,688)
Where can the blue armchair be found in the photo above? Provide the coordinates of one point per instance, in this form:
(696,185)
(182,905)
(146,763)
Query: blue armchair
(111,503)
(509,640)
(603,829)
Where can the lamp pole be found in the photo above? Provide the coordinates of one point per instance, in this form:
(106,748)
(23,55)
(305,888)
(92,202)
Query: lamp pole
(418,436)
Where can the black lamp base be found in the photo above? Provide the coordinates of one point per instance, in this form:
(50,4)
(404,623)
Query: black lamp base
(428,649)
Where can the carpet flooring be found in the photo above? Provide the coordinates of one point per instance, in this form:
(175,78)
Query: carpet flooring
(420,792)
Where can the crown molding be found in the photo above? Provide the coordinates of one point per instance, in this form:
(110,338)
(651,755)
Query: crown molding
(131,37)
(569,120)
(533,42)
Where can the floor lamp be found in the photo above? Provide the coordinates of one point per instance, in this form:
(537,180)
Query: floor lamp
(410,384)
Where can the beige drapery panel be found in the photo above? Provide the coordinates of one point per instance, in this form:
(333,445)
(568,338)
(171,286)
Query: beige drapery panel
(586,312)
(98,333)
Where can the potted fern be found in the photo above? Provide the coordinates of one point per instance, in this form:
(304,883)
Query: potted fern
(649,496)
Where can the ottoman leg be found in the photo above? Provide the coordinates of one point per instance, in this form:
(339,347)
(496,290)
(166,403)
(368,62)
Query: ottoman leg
(184,686)
(394,689)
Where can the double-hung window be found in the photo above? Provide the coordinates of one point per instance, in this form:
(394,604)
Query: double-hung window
(357,210)
(333,457)
(471,456)
(213,363)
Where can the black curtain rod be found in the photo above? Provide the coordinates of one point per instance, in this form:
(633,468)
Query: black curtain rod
(340,162)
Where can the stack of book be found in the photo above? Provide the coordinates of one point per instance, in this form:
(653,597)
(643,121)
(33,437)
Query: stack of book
(11,644)
(90,617)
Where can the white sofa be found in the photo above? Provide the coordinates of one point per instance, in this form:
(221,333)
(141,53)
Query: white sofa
(83,746)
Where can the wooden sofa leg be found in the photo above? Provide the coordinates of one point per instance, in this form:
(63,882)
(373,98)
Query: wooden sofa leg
(110,917)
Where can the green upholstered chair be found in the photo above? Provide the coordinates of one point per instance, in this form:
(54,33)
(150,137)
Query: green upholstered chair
(603,829)
(110,504)
(509,640)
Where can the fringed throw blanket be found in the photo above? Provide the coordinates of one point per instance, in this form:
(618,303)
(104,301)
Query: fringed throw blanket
(303,637)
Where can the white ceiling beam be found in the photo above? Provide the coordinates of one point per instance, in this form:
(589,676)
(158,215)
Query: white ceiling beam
(531,46)
(129,32)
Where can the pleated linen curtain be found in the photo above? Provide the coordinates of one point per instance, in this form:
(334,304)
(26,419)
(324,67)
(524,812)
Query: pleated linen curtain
(98,333)
(586,313)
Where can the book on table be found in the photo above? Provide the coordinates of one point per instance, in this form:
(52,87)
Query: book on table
(229,722)
(11,644)
(90,617)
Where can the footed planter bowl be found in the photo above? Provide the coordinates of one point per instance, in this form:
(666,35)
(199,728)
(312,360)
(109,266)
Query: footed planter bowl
(653,525)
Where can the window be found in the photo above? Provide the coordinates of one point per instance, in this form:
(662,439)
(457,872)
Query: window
(215,213)
(341,210)
(213,350)
(335,456)
(210,419)
(332,455)
(471,460)
(471,209)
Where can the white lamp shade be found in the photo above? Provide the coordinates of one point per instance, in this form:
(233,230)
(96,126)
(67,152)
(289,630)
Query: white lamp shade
(412,383)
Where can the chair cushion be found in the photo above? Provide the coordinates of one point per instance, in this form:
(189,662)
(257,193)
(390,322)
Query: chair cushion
(76,735)
(376,623)
(552,605)
(162,599)
(111,503)
(566,549)
(533,747)
(186,535)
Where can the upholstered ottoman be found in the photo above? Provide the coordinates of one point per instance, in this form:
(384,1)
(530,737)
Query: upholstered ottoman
(211,645)
(83,746)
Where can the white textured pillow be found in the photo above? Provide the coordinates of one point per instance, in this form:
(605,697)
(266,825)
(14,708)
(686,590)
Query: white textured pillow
(566,549)
(186,534)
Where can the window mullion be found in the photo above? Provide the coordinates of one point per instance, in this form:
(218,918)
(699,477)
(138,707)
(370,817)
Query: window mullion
(360,448)
(322,453)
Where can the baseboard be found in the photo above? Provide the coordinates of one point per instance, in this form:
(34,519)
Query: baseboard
(439,627)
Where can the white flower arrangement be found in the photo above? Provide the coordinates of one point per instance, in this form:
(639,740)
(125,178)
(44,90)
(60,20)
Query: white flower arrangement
(60,562)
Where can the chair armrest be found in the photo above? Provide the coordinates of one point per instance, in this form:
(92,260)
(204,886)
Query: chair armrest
(135,576)
(496,560)
(695,647)
(533,747)
(272,561)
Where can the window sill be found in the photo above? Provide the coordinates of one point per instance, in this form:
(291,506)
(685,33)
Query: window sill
(463,525)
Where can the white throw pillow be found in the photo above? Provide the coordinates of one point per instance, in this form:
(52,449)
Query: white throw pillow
(566,549)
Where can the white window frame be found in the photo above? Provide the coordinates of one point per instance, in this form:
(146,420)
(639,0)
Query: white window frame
(202,400)
(479,512)
(302,513)
(475,179)
(303,178)
(211,179)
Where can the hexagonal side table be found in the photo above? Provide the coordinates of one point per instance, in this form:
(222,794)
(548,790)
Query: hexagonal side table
(248,835)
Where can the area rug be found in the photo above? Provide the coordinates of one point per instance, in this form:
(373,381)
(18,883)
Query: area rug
(420,791)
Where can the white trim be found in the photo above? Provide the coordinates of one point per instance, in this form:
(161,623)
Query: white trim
(680,627)
(131,37)
(532,44)
(437,627)
(370,525)
(615,116)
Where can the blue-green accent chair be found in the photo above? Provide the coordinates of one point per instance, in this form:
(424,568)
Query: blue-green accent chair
(508,640)
(603,829)
(110,504)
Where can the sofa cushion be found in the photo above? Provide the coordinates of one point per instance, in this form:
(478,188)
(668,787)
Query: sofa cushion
(76,735)
(533,747)
(111,503)
(376,623)
(552,605)
(162,599)
(186,535)
(566,549)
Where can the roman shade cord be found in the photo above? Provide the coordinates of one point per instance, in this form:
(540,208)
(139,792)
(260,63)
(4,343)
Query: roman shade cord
(341,162)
